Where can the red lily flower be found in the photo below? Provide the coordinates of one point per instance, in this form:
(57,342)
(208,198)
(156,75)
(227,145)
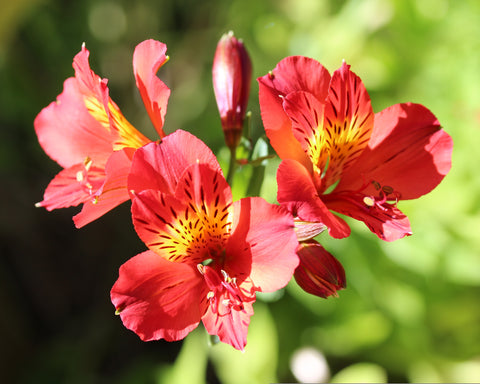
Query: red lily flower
(85,132)
(232,74)
(207,255)
(338,155)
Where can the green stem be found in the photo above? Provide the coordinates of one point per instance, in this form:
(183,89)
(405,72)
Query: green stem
(232,165)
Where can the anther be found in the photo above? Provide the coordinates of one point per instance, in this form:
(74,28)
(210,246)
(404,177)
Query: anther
(369,201)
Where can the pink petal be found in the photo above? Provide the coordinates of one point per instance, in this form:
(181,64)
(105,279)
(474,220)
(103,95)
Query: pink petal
(68,133)
(148,57)
(319,273)
(408,151)
(264,236)
(231,328)
(158,299)
(295,185)
(160,165)
(114,191)
(71,187)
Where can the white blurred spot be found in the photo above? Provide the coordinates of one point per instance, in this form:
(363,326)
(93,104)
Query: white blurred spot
(308,365)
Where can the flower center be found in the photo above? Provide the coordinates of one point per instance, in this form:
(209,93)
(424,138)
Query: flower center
(225,294)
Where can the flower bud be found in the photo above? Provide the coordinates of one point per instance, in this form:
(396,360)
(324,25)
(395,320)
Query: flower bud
(232,72)
(318,273)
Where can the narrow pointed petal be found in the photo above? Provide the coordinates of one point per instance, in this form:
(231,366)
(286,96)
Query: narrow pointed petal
(96,98)
(72,186)
(158,299)
(160,165)
(408,151)
(113,192)
(295,185)
(263,238)
(292,74)
(148,57)
(231,328)
(319,273)
(386,221)
(68,133)
(348,124)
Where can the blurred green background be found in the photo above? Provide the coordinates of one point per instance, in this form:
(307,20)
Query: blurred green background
(411,310)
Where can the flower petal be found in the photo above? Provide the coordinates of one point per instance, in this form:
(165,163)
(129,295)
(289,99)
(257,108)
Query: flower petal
(97,101)
(190,227)
(264,236)
(295,185)
(68,133)
(114,191)
(148,57)
(160,165)
(319,273)
(231,328)
(386,221)
(408,151)
(295,73)
(158,299)
(72,187)
(348,124)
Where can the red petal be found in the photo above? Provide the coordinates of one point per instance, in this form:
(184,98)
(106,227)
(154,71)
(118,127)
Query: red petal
(408,151)
(66,190)
(148,57)
(387,222)
(160,165)
(295,185)
(158,299)
(68,133)
(319,273)
(264,236)
(292,74)
(231,328)
(348,124)
(114,191)
(190,227)
(306,114)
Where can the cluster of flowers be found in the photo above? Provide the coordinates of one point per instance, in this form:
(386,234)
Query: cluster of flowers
(208,255)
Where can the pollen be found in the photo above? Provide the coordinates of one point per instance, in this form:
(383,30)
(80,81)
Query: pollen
(369,201)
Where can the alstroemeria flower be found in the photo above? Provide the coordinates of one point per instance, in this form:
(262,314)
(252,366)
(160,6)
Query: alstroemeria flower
(207,255)
(85,132)
(340,156)
(231,74)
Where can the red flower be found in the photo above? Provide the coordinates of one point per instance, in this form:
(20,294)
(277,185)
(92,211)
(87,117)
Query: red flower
(232,74)
(207,255)
(85,132)
(337,155)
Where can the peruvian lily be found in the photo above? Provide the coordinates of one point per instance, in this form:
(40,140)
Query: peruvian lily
(208,256)
(231,74)
(85,132)
(340,156)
